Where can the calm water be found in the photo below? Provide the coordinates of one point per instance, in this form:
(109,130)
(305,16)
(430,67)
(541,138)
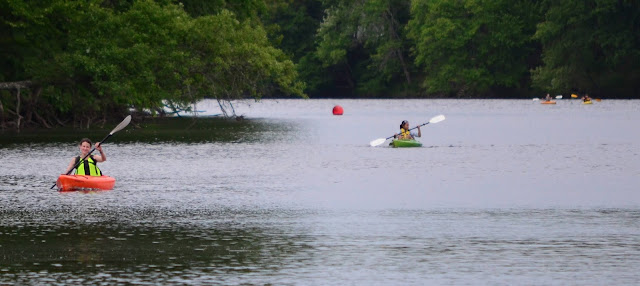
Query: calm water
(503,192)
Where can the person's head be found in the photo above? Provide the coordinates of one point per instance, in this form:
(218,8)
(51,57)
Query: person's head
(404,125)
(85,145)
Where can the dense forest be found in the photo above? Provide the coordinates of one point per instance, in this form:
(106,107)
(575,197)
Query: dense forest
(80,63)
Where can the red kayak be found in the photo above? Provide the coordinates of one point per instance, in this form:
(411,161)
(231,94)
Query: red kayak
(68,183)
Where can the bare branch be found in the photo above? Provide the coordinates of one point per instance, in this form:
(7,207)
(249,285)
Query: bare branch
(16,84)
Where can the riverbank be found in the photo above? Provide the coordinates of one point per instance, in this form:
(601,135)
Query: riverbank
(147,129)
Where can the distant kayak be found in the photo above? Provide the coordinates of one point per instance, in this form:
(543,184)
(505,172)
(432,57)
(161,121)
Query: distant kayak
(587,102)
(405,143)
(548,102)
(68,183)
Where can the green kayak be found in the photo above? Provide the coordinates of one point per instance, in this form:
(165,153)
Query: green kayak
(405,143)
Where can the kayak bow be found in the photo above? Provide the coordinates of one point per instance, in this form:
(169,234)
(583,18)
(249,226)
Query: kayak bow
(68,183)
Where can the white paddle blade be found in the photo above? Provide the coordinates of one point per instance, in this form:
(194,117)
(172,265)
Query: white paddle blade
(437,119)
(558,96)
(535,99)
(122,125)
(377,142)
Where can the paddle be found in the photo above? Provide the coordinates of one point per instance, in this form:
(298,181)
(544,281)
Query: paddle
(557,97)
(379,141)
(120,126)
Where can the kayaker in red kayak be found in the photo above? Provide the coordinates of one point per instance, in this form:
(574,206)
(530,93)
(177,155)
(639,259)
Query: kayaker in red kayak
(405,133)
(89,166)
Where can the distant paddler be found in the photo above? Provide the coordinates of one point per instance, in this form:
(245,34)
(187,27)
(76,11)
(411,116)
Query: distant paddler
(405,132)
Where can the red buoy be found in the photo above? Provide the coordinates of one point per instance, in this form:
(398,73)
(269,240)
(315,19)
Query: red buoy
(337,110)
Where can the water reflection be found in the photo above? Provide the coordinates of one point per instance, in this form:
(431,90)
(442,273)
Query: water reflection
(144,244)
(69,248)
(156,130)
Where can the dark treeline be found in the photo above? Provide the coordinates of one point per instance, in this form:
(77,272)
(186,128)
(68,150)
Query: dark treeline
(81,63)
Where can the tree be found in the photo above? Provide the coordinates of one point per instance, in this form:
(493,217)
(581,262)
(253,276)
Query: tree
(243,9)
(33,33)
(470,47)
(590,46)
(362,42)
(85,60)
(236,60)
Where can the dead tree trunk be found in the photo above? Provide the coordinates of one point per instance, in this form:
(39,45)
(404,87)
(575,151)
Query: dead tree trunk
(17,85)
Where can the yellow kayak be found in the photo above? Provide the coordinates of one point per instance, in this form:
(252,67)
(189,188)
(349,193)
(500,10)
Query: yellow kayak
(587,102)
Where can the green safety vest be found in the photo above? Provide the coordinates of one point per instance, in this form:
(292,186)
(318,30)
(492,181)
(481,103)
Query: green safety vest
(87,167)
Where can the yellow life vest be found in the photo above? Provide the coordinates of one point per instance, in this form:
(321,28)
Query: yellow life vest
(87,167)
(405,134)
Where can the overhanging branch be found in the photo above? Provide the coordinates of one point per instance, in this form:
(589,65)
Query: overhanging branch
(16,84)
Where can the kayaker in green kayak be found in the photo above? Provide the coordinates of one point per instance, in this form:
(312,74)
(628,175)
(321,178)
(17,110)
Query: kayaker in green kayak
(405,134)
(89,165)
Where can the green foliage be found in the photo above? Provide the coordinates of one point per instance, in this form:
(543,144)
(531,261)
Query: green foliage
(362,42)
(124,59)
(237,60)
(471,46)
(292,25)
(107,57)
(243,9)
(590,46)
(35,32)
(88,59)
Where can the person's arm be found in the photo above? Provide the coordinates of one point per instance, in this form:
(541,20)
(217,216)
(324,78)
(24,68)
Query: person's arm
(71,164)
(419,132)
(102,157)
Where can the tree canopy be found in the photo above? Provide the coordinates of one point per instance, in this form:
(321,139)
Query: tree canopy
(472,46)
(84,60)
(590,46)
(75,62)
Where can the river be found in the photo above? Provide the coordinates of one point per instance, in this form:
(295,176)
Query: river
(503,192)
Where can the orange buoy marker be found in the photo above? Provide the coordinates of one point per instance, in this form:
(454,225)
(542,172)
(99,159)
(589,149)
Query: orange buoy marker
(337,110)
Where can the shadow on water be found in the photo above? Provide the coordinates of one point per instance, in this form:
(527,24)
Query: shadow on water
(140,244)
(154,130)
(35,248)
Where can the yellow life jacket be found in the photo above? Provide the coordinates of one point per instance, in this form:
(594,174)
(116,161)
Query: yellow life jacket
(404,134)
(87,167)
